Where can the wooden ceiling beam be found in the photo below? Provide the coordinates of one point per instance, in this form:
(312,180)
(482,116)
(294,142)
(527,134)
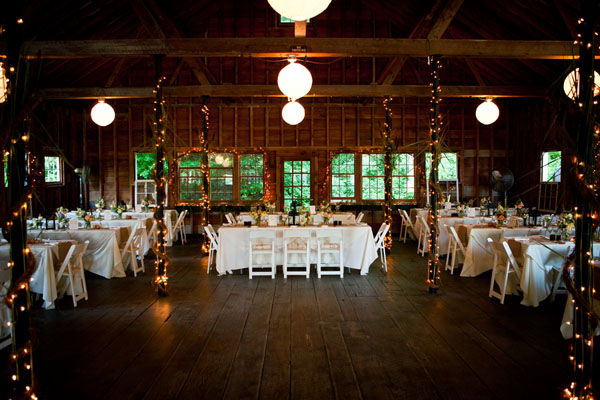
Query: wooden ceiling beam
(228,90)
(302,47)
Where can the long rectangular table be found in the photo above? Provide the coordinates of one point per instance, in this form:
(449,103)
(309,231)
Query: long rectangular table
(232,254)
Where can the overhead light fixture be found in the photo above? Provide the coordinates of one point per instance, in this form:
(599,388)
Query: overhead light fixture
(294,80)
(487,112)
(102,113)
(299,10)
(3,84)
(571,84)
(293,113)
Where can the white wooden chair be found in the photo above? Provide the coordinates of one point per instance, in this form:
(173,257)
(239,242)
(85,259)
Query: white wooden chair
(179,228)
(455,247)
(129,250)
(230,218)
(138,247)
(214,244)
(330,242)
(380,243)
(261,243)
(504,260)
(296,244)
(152,234)
(72,268)
(424,233)
(406,223)
(359,217)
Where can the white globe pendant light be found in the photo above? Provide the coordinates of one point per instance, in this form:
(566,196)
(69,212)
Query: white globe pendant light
(299,10)
(294,80)
(571,84)
(293,113)
(103,114)
(487,112)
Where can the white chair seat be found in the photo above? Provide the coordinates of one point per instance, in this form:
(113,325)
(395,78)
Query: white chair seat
(261,242)
(330,243)
(296,241)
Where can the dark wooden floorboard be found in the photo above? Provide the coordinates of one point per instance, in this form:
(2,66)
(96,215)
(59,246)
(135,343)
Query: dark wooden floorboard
(380,336)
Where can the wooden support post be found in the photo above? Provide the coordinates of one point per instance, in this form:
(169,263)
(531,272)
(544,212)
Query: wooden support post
(433,279)
(160,248)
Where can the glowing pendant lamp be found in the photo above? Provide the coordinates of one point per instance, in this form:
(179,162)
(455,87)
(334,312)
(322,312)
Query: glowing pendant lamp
(299,10)
(293,113)
(487,112)
(571,84)
(103,114)
(294,80)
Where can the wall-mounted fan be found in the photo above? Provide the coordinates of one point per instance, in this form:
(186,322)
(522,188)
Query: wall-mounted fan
(501,180)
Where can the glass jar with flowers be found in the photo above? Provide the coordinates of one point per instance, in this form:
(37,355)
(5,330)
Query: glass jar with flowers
(119,210)
(519,208)
(146,205)
(61,216)
(461,210)
(87,220)
(566,223)
(500,215)
(100,204)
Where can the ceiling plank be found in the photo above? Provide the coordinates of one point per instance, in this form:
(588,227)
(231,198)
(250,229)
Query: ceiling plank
(228,90)
(475,72)
(569,23)
(316,47)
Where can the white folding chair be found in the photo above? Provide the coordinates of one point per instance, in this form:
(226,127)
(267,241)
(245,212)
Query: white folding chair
(380,243)
(230,218)
(296,244)
(72,268)
(138,248)
(406,223)
(423,234)
(261,243)
(359,217)
(330,242)
(129,249)
(179,228)
(455,247)
(214,244)
(152,234)
(505,261)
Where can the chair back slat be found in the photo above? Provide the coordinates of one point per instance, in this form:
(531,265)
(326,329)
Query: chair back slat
(359,217)
(457,239)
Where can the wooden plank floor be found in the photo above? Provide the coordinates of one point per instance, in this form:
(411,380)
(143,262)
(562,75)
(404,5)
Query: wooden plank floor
(380,336)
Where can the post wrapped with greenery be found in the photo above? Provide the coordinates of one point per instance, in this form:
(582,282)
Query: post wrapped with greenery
(15,134)
(585,178)
(160,247)
(389,147)
(433,264)
(205,167)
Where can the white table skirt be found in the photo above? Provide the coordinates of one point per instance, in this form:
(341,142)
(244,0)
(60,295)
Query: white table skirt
(359,247)
(103,256)
(479,257)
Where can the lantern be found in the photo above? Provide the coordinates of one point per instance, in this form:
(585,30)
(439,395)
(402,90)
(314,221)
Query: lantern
(294,80)
(571,84)
(299,10)
(103,114)
(487,112)
(293,113)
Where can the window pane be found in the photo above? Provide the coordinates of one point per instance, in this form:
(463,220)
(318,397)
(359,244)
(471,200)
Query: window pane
(448,166)
(342,176)
(52,171)
(551,166)
(373,168)
(403,176)
(296,185)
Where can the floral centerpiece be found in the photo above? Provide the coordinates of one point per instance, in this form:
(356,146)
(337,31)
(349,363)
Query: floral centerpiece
(100,204)
(327,215)
(325,207)
(80,213)
(37,222)
(519,207)
(113,206)
(120,210)
(269,206)
(61,215)
(483,205)
(566,223)
(146,204)
(259,216)
(87,220)
(461,210)
(500,215)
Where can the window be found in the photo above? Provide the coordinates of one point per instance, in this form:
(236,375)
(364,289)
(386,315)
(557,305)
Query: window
(296,183)
(342,176)
(53,170)
(145,188)
(286,20)
(221,176)
(403,176)
(373,171)
(5,158)
(551,162)
(251,177)
(190,177)
(447,167)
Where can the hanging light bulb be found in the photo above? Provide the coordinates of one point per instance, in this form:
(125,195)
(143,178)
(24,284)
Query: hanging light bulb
(487,112)
(299,10)
(3,84)
(219,159)
(571,84)
(102,113)
(293,113)
(294,80)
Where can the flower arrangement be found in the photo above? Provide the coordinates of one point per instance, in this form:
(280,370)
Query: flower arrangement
(61,215)
(119,210)
(87,219)
(258,216)
(500,215)
(100,204)
(80,213)
(146,204)
(519,206)
(461,210)
(325,206)
(269,206)
(37,222)
(483,202)
(566,223)
(113,206)
(327,215)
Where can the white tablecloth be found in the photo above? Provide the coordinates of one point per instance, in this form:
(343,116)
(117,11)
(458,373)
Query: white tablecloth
(450,221)
(359,247)
(103,256)
(479,257)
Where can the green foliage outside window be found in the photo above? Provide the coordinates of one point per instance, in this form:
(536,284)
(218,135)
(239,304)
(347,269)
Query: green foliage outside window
(52,172)
(251,177)
(144,164)
(296,183)
(190,177)
(342,176)
(551,161)
(221,176)
(403,176)
(373,171)
(448,166)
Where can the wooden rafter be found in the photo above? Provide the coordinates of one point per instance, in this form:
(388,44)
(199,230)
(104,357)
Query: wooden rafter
(475,72)
(316,47)
(228,90)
